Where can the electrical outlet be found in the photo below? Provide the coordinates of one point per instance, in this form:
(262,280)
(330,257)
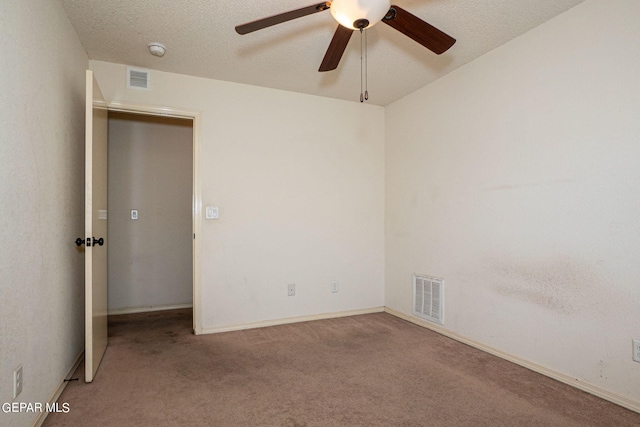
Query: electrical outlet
(636,350)
(17,381)
(334,286)
(291,290)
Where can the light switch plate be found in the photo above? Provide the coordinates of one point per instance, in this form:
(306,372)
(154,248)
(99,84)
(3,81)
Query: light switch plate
(211,212)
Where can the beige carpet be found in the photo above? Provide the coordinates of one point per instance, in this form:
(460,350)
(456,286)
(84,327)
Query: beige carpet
(369,370)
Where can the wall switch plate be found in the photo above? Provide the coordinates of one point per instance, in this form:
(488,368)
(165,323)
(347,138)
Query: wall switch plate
(134,213)
(334,286)
(636,350)
(291,290)
(17,381)
(211,212)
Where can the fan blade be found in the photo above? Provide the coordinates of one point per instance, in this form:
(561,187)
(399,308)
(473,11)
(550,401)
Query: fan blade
(336,48)
(259,24)
(412,26)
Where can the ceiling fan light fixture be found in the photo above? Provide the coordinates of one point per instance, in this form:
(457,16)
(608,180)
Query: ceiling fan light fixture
(352,13)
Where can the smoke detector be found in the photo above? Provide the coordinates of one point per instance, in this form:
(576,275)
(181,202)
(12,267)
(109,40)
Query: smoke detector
(157,49)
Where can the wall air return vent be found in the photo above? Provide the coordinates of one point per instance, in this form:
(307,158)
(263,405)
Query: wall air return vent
(137,78)
(428,298)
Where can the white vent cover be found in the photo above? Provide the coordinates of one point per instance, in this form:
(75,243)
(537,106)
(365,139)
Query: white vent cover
(428,298)
(137,78)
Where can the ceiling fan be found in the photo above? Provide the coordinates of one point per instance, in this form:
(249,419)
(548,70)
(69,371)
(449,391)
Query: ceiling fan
(358,15)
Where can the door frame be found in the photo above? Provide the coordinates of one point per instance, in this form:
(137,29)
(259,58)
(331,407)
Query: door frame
(196,214)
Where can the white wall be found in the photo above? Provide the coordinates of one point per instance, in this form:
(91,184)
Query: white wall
(41,199)
(150,170)
(515,179)
(299,181)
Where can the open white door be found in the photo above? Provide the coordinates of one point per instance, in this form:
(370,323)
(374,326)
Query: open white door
(95,227)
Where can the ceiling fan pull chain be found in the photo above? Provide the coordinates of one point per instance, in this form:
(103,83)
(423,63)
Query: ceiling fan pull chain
(361,66)
(366,69)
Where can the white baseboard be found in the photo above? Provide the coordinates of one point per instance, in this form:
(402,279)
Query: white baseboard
(288,320)
(133,310)
(574,382)
(43,415)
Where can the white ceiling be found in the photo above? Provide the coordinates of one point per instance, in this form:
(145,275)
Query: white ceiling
(201,41)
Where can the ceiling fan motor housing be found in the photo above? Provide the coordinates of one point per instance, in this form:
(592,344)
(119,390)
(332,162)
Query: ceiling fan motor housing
(358,14)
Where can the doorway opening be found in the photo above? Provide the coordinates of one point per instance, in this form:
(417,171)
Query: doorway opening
(151,193)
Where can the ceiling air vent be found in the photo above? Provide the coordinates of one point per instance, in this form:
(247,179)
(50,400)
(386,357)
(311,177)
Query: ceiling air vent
(137,78)
(428,298)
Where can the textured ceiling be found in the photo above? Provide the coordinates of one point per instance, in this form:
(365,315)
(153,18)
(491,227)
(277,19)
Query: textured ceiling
(201,41)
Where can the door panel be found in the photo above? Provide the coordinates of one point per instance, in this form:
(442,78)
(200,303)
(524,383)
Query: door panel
(95,227)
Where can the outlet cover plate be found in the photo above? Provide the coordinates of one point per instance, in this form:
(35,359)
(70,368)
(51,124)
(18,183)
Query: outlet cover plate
(636,350)
(17,381)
